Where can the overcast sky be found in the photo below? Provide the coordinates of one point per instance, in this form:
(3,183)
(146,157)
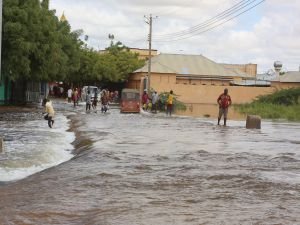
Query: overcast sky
(268,32)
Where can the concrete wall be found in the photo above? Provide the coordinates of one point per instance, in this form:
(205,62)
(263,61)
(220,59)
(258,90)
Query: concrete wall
(285,85)
(209,94)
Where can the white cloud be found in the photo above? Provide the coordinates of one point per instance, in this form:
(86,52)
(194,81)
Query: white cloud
(267,33)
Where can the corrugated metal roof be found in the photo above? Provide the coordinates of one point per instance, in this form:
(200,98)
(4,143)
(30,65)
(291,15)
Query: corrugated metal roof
(189,65)
(290,77)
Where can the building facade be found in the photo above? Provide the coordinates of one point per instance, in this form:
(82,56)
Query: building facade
(249,68)
(197,79)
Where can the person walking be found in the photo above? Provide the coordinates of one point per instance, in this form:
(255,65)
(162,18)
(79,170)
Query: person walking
(95,100)
(49,112)
(88,101)
(145,100)
(104,101)
(224,101)
(70,95)
(154,101)
(170,100)
(75,97)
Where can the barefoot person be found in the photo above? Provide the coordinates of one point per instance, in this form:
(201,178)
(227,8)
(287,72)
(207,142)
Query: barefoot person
(224,102)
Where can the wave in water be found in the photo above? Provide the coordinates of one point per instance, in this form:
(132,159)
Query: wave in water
(31,146)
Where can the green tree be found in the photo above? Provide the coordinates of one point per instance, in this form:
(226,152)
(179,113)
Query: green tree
(36,45)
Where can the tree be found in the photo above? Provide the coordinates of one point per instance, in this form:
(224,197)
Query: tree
(36,45)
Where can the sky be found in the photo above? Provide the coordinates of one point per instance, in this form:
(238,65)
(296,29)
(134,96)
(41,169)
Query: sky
(268,32)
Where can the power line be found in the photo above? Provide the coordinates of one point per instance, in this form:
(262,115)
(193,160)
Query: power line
(235,8)
(205,27)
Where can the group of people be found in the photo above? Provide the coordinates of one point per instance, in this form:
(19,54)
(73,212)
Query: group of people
(93,102)
(224,101)
(151,103)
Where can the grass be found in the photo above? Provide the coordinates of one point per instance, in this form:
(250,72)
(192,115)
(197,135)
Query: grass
(283,104)
(271,111)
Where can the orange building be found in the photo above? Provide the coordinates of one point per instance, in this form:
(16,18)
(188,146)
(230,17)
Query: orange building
(249,68)
(197,79)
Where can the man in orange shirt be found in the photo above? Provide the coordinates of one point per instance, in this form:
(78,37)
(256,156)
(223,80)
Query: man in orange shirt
(224,102)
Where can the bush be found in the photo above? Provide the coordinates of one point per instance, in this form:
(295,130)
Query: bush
(178,105)
(282,97)
(281,104)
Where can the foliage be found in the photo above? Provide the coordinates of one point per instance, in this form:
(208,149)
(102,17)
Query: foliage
(282,97)
(178,105)
(37,46)
(124,62)
(281,104)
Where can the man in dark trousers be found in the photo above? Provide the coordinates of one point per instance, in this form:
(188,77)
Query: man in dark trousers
(224,102)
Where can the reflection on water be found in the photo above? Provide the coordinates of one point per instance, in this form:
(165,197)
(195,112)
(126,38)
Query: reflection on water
(209,110)
(152,169)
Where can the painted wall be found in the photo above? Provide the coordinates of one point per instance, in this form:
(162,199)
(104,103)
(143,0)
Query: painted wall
(200,94)
(209,94)
(286,85)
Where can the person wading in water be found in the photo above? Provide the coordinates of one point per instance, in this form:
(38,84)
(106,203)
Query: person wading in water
(49,112)
(224,102)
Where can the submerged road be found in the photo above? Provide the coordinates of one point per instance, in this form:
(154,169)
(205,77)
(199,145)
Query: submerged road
(151,169)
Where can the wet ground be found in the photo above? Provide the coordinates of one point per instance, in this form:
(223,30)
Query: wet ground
(151,169)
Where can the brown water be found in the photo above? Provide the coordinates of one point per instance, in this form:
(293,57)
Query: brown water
(150,169)
(209,111)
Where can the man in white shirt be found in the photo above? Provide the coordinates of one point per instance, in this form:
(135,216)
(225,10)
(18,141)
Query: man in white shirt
(69,95)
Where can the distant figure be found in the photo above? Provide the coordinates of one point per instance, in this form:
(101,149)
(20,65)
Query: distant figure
(88,101)
(104,101)
(75,97)
(49,112)
(154,101)
(61,92)
(224,102)
(70,95)
(170,100)
(95,100)
(145,100)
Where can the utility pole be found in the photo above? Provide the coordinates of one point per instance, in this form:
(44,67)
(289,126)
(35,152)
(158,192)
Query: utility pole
(149,21)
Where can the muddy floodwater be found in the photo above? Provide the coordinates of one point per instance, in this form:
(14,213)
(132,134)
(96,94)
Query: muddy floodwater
(135,169)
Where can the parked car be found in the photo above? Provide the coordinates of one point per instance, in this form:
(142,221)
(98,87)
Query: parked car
(130,101)
(93,90)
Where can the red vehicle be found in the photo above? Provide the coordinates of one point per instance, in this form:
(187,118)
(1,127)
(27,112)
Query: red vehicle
(130,101)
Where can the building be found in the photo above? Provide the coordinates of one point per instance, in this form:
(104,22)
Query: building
(280,79)
(249,68)
(63,17)
(196,79)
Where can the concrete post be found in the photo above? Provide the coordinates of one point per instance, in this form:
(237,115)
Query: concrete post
(253,122)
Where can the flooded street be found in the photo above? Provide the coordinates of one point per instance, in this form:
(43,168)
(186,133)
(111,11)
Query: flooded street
(136,169)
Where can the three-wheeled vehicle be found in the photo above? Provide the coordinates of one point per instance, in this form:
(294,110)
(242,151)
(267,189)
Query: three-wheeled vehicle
(130,101)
